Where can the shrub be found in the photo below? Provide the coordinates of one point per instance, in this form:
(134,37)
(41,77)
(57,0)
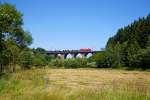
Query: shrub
(26,59)
(70,63)
(57,62)
(75,63)
(39,61)
(82,62)
(102,59)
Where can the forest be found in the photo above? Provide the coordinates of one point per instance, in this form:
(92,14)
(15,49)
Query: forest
(130,47)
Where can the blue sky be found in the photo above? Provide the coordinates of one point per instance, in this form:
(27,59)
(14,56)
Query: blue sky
(75,24)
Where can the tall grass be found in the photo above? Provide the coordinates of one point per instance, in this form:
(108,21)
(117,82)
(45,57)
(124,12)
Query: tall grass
(76,84)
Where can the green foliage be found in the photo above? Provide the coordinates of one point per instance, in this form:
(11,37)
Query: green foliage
(12,52)
(102,59)
(134,40)
(49,58)
(132,52)
(82,62)
(75,63)
(39,61)
(11,26)
(143,58)
(116,55)
(70,63)
(92,65)
(57,63)
(26,59)
(38,50)
(13,38)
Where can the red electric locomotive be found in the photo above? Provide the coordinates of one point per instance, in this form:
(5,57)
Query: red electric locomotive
(85,50)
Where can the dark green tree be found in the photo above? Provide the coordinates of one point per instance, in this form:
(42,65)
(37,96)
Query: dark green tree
(12,36)
(117,56)
(132,52)
(134,44)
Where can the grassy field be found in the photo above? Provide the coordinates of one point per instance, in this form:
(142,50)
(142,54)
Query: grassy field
(75,84)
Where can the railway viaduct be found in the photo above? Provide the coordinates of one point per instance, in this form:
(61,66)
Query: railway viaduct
(74,53)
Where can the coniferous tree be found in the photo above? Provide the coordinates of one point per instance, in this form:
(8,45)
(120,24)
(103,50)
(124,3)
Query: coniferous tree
(132,51)
(134,43)
(116,55)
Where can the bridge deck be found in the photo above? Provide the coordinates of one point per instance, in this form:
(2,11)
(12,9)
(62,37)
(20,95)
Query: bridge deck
(66,52)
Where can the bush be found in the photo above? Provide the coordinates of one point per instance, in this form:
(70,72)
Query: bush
(26,59)
(39,61)
(75,63)
(102,59)
(57,63)
(82,62)
(70,63)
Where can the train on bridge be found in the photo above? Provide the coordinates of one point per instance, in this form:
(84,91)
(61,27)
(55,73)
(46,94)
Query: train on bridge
(83,52)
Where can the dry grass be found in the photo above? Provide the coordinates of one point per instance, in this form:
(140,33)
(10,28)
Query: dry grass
(76,84)
(86,78)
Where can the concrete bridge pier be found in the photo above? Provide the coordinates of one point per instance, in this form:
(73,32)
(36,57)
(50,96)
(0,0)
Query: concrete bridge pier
(62,56)
(67,54)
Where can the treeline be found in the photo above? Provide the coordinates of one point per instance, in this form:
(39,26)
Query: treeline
(130,47)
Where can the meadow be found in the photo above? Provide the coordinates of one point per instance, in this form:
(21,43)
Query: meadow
(75,84)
